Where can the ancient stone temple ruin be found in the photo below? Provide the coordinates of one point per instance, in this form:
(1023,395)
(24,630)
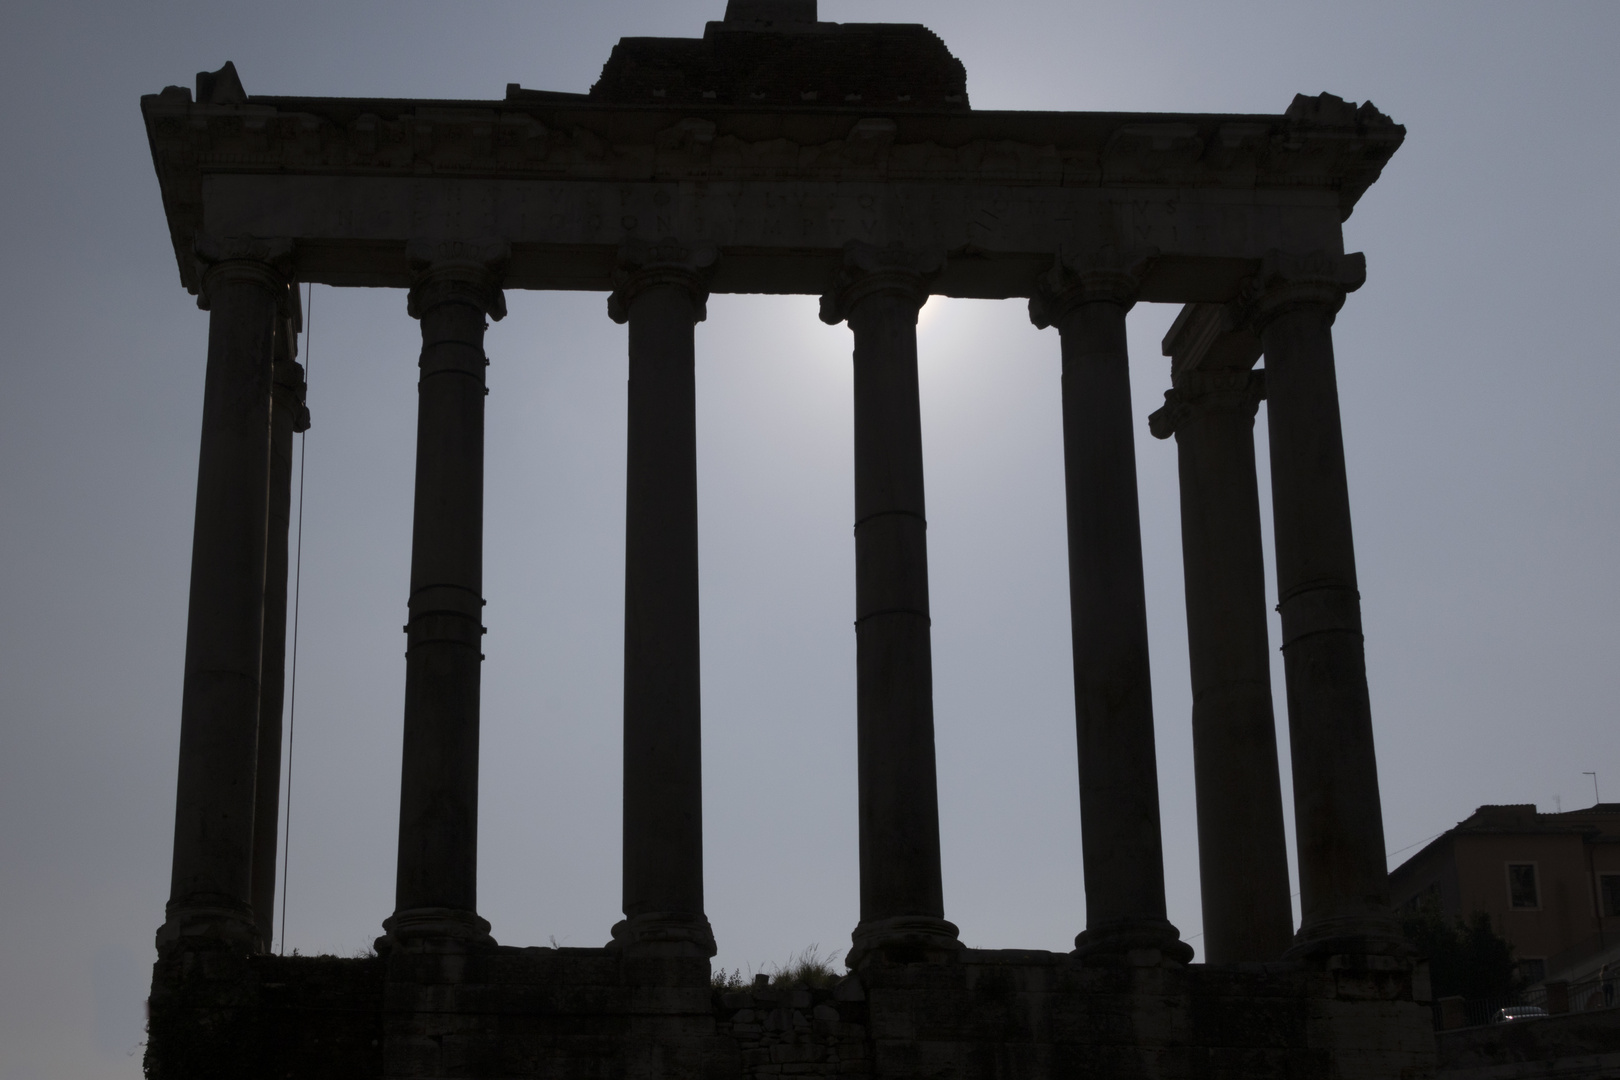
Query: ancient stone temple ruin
(780,154)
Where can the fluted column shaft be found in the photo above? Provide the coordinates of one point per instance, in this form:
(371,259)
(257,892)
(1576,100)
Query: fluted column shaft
(662,295)
(210,896)
(288,416)
(1243,856)
(902,900)
(436,891)
(1119,788)
(1338,817)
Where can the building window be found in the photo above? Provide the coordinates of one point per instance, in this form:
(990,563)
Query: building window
(1522,891)
(1609,890)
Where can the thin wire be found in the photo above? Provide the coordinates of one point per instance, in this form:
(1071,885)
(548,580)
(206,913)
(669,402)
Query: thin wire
(1409,847)
(1388,855)
(298,583)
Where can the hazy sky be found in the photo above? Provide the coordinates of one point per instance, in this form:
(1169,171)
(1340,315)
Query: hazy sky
(1477,372)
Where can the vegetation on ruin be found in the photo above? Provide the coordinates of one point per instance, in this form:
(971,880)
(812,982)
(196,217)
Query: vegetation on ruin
(1467,957)
(808,969)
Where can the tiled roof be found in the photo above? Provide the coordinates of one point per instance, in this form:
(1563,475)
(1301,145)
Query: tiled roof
(1602,818)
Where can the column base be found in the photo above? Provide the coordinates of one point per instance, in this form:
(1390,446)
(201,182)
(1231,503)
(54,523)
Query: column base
(921,937)
(432,930)
(211,922)
(664,933)
(1348,935)
(1115,942)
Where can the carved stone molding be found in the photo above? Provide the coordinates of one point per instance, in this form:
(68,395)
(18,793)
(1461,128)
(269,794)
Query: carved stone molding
(237,259)
(207,922)
(1198,393)
(913,933)
(869,269)
(1107,274)
(458,271)
(436,929)
(289,387)
(644,265)
(1288,282)
(666,933)
(1208,337)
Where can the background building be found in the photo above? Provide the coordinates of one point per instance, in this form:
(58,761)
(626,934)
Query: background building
(1549,882)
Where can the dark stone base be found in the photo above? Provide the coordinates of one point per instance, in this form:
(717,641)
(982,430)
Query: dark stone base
(214,1014)
(589,1013)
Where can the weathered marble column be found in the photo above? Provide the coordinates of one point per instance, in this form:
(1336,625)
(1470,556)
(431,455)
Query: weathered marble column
(288,416)
(662,293)
(902,902)
(457,285)
(1338,818)
(210,894)
(1243,856)
(1119,785)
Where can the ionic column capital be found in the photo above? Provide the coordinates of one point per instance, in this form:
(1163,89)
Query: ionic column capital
(242,260)
(1200,393)
(644,266)
(1104,275)
(868,270)
(457,271)
(1290,282)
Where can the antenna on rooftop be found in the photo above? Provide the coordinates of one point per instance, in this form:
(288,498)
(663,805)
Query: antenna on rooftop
(1596,798)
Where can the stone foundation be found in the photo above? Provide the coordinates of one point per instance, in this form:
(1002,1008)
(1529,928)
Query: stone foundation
(589,1013)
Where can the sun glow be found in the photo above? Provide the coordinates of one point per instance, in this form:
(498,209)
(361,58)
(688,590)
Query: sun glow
(930,311)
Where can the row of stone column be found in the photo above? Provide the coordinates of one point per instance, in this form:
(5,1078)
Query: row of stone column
(222,887)
(1286,313)
(230,744)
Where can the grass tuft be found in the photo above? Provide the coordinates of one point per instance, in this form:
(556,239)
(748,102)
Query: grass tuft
(808,969)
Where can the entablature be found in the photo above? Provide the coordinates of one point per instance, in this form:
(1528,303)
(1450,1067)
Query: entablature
(566,179)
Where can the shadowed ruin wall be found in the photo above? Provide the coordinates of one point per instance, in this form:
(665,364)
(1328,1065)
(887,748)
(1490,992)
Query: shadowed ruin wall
(589,1013)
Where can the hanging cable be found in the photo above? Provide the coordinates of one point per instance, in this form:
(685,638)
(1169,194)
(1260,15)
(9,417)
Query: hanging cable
(298,582)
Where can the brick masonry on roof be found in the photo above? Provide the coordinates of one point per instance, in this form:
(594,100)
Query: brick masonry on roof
(867,65)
